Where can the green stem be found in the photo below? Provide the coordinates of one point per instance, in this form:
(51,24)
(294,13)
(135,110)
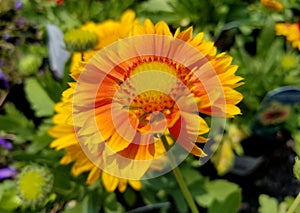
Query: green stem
(294,204)
(186,193)
(82,56)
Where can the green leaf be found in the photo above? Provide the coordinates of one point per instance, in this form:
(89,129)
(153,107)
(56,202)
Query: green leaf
(60,185)
(180,201)
(6,211)
(53,87)
(267,204)
(38,98)
(191,175)
(296,137)
(45,156)
(111,205)
(216,190)
(296,168)
(130,196)
(288,202)
(266,37)
(9,200)
(41,139)
(93,202)
(40,142)
(16,123)
(90,204)
(269,62)
(230,205)
(156,5)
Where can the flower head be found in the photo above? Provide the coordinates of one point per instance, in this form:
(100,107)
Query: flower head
(291,31)
(18,5)
(272,4)
(34,184)
(7,172)
(5,144)
(4,84)
(58,2)
(6,36)
(276,113)
(148,84)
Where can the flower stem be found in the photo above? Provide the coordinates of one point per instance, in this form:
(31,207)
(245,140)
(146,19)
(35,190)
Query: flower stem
(82,56)
(186,193)
(294,204)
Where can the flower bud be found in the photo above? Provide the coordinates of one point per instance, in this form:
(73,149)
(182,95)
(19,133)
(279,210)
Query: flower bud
(80,40)
(34,184)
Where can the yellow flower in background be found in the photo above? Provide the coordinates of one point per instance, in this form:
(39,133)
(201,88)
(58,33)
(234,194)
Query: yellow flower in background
(223,158)
(110,31)
(291,31)
(272,4)
(121,104)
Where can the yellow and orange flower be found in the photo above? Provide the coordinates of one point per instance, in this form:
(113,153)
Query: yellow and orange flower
(272,4)
(148,84)
(291,31)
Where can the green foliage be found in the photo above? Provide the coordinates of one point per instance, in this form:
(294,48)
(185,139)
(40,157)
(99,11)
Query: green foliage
(16,123)
(267,204)
(130,197)
(270,204)
(90,204)
(9,200)
(231,203)
(29,64)
(111,205)
(41,138)
(214,195)
(220,194)
(296,168)
(39,99)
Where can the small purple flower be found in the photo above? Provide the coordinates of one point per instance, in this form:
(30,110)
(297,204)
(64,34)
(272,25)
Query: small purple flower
(18,5)
(7,172)
(5,144)
(6,36)
(1,63)
(4,84)
(20,22)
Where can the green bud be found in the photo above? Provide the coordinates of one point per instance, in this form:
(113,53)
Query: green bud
(34,185)
(288,62)
(29,64)
(80,40)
